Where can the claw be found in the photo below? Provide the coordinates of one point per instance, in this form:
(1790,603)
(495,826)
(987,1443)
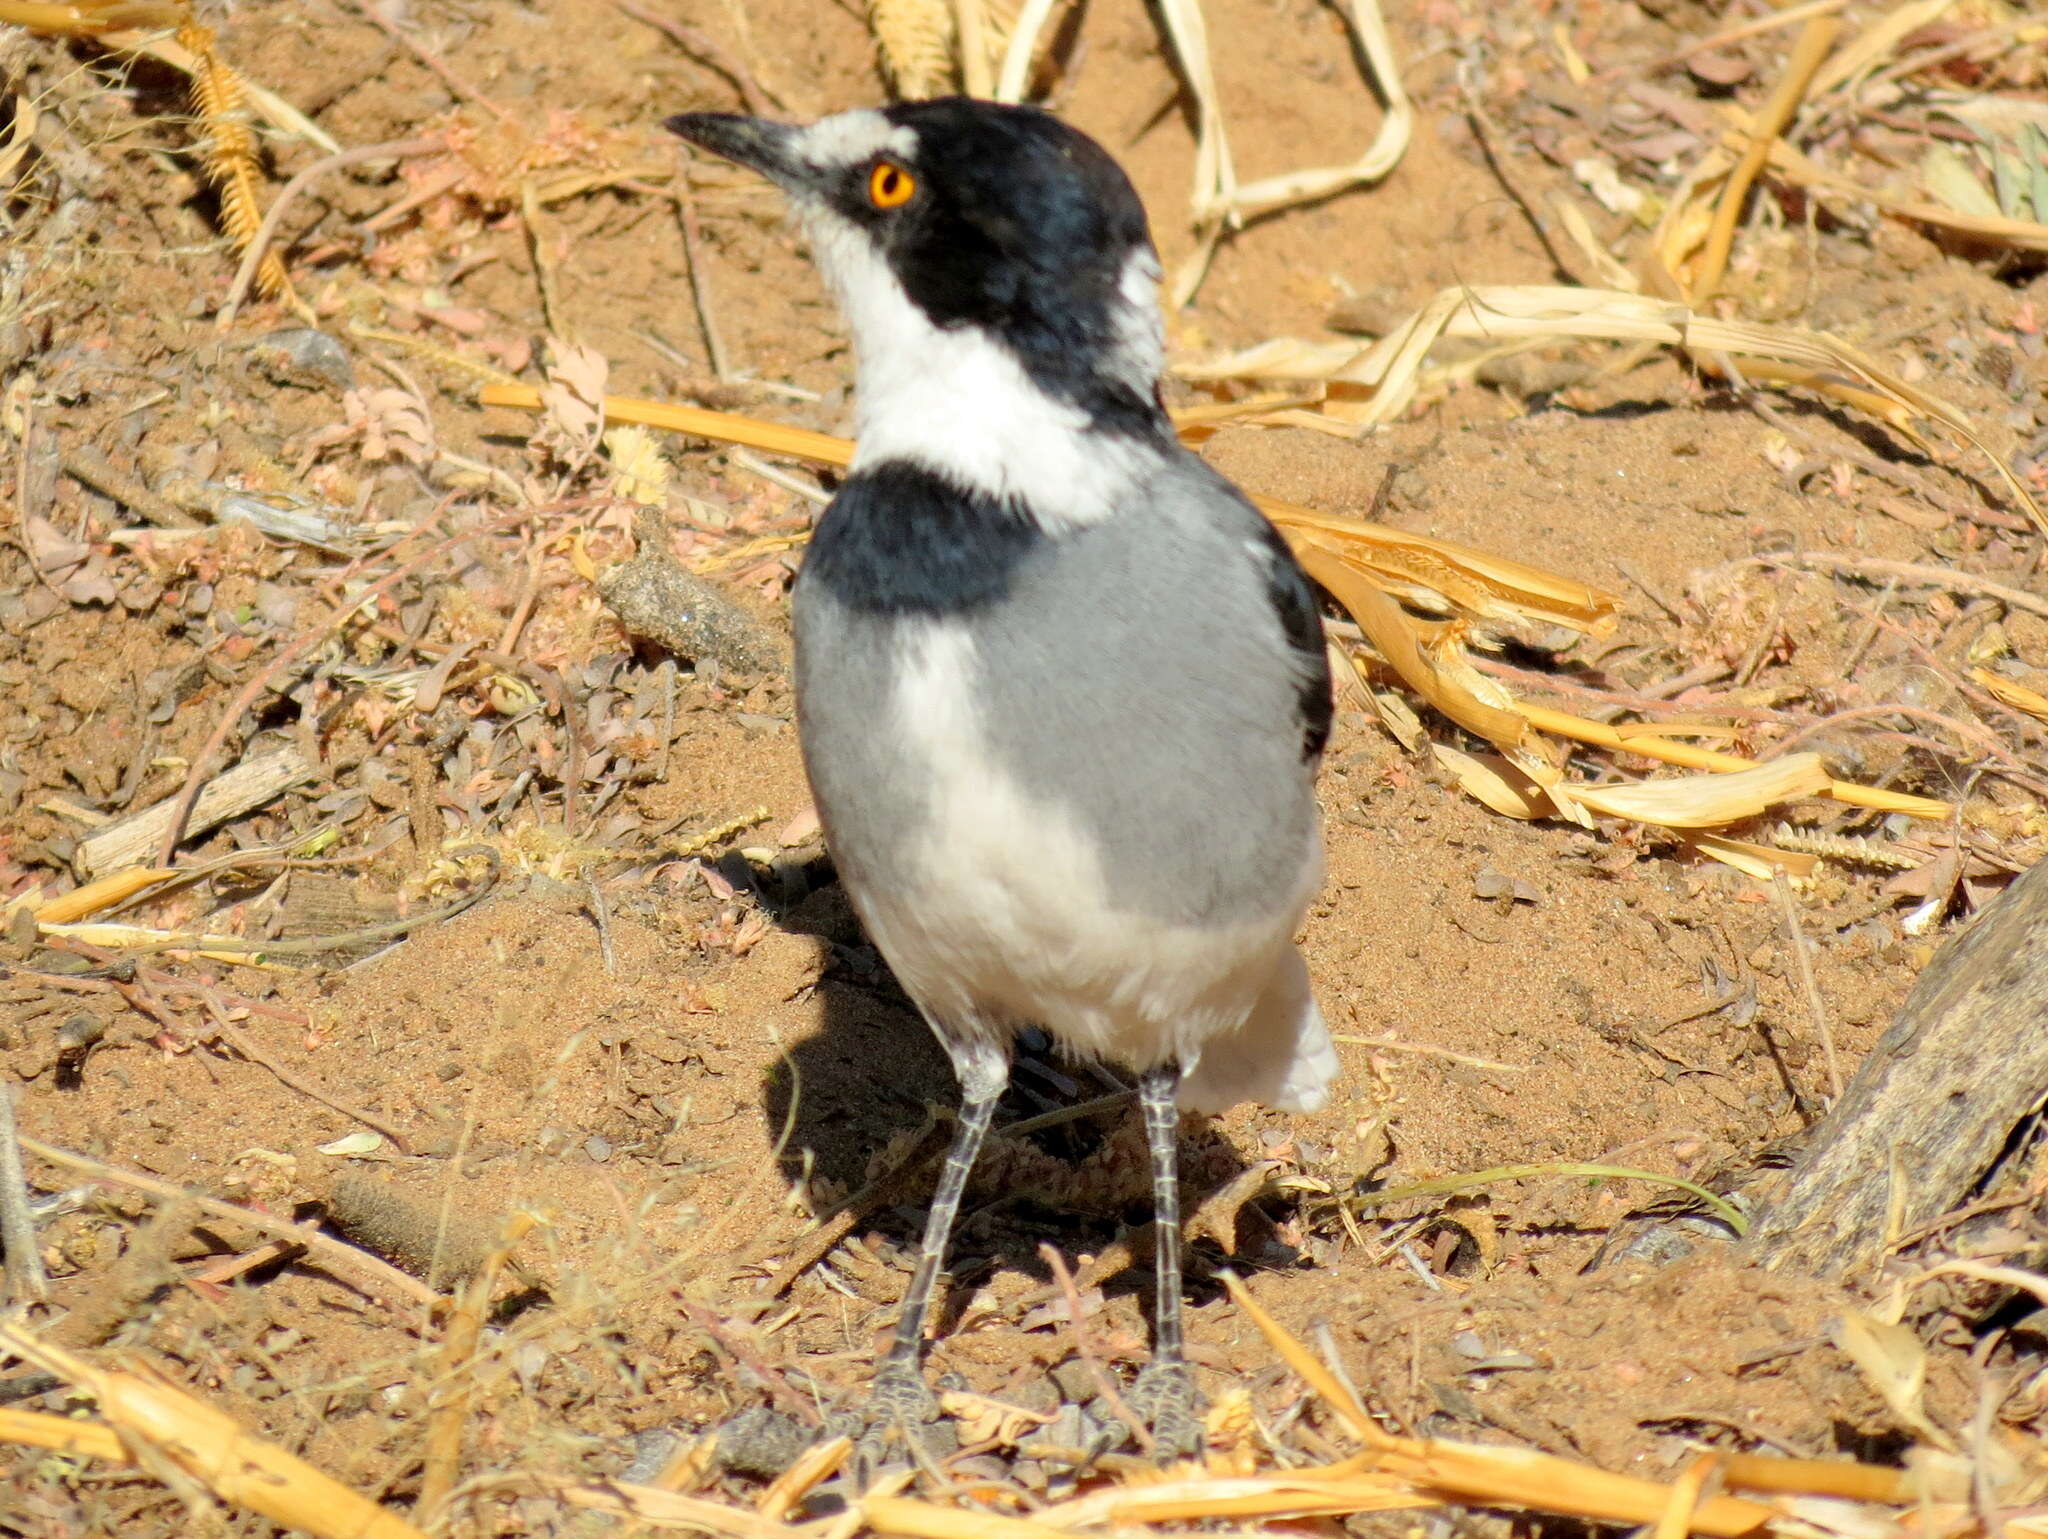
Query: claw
(900,1422)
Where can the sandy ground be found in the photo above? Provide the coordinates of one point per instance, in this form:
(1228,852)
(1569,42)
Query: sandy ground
(681,1059)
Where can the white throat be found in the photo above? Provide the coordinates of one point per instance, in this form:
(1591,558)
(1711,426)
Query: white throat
(957,402)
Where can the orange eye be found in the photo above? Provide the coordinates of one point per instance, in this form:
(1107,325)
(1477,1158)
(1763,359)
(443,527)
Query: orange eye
(889,185)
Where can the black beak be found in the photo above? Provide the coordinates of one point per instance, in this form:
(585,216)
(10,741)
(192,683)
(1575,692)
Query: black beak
(756,143)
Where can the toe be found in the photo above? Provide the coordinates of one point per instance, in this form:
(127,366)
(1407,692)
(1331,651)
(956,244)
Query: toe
(1166,1397)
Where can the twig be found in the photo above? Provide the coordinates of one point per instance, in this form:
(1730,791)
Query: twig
(24,459)
(543,265)
(1908,572)
(376,1277)
(433,61)
(1815,39)
(1970,732)
(237,947)
(1655,700)
(1721,39)
(700,46)
(729,1341)
(130,841)
(1869,463)
(91,467)
(1427,1050)
(1104,1380)
(667,674)
(393,149)
(27,1282)
(522,610)
(700,283)
(241,1042)
(1484,134)
(1816,1007)
(839,1223)
(1853,659)
(810,491)
(1753,660)
(601,916)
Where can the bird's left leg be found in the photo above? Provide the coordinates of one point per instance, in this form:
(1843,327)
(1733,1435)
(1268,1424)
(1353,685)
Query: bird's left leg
(1165,1393)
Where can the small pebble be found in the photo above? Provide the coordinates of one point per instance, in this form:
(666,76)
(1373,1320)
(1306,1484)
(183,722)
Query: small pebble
(303,357)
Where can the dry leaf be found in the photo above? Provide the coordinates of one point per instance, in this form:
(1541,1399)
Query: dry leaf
(1704,801)
(2007,692)
(1496,782)
(392,425)
(1758,860)
(1893,1359)
(70,566)
(572,401)
(1951,178)
(983,1420)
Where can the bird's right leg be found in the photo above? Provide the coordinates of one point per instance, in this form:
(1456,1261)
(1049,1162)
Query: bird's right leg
(899,1397)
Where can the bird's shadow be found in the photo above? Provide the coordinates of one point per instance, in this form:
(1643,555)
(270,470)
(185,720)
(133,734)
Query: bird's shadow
(872,1072)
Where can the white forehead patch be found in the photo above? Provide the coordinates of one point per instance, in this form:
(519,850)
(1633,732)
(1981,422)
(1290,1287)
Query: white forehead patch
(848,138)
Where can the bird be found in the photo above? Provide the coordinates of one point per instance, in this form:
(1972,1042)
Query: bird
(1061,690)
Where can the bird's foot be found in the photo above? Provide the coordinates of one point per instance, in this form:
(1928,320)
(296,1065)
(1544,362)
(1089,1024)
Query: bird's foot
(900,1423)
(1165,1398)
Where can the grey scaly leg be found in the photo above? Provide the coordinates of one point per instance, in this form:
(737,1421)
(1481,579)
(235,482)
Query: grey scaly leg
(1165,1393)
(900,1396)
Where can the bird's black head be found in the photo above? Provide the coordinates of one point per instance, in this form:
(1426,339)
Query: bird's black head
(996,221)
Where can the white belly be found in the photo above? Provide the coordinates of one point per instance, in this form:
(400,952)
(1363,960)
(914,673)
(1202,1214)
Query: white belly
(998,915)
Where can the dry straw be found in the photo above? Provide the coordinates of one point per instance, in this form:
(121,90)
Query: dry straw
(915,40)
(1220,202)
(223,102)
(1370,386)
(206,1456)
(195,1449)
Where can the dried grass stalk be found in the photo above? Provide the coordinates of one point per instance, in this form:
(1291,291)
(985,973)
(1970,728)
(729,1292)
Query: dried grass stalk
(160,1424)
(92,18)
(455,1378)
(80,902)
(915,39)
(1494,1476)
(670,1509)
(1708,801)
(61,1434)
(228,149)
(137,26)
(975,29)
(1994,229)
(1219,201)
(1815,39)
(1386,376)
(2009,692)
(1600,735)
(1019,49)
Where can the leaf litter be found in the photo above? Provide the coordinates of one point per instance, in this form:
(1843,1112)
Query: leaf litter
(471,654)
